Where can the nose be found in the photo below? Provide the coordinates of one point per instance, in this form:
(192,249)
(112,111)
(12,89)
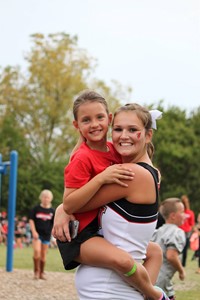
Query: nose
(94,123)
(124,134)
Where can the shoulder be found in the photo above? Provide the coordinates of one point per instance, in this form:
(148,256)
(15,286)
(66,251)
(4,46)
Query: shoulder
(142,188)
(180,233)
(83,151)
(191,213)
(36,207)
(177,237)
(140,171)
(83,156)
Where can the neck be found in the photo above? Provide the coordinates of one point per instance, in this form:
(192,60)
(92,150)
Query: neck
(45,206)
(100,146)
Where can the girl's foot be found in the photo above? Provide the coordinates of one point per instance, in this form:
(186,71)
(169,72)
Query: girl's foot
(36,275)
(164,296)
(42,276)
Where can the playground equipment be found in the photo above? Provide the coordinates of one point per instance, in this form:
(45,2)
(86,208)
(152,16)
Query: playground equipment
(11,203)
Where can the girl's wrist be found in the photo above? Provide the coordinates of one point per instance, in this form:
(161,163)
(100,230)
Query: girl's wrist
(100,179)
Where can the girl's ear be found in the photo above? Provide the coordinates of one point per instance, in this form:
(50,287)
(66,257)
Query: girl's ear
(75,123)
(149,136)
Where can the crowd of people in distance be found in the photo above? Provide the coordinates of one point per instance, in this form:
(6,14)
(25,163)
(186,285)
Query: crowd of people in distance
(22,232)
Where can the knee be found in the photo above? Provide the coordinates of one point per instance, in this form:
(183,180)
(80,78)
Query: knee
(123,262)
(36,254)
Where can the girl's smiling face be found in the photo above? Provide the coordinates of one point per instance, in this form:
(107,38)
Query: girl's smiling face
(92,122)
(129,136)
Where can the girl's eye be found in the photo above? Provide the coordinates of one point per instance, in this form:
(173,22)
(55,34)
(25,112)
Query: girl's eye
(100,117)
(117,129)
(85,120)
(133,129)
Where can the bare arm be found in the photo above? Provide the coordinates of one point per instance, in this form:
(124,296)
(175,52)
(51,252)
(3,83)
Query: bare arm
(173,258)
(33,229)
(140,190)
(61,220)
(74,199)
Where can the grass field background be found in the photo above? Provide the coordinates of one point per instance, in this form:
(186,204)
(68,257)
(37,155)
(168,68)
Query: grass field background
(189,289)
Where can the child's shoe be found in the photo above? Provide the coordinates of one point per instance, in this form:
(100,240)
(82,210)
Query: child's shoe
(164,296)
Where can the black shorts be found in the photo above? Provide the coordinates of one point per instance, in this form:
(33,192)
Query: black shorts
(70,250)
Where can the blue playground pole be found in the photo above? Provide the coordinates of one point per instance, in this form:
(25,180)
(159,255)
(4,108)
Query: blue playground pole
(11,208)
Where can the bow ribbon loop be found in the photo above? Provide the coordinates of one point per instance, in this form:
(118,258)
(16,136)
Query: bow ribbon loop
(155,115)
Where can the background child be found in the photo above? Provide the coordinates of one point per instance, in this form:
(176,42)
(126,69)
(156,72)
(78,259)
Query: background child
(187,226)
(172,241)
(41,222)
(195,241)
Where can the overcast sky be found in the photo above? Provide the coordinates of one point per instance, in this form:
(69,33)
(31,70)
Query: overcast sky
(151,45)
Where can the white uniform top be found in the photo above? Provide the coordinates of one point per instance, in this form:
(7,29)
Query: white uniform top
(130,227)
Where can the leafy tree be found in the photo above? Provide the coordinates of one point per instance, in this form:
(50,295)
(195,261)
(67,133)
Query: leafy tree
(11,138)
(40,101)
(36,120)
(38,104)
(176,143)
(194,174)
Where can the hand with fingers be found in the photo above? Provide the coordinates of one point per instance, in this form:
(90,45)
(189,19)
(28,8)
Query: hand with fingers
(115,174)
(61,224)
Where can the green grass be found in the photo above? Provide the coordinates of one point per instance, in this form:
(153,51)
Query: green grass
(22,259)
(189,289)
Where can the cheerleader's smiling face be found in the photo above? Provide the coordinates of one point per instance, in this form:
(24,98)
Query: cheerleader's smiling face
(129,136)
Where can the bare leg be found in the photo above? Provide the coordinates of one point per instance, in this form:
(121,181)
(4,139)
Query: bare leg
(44,249)
(100,253)
(154,258)
(36,257)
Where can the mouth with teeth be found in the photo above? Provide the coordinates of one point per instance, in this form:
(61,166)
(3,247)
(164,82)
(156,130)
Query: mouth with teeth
(96,132)
(125,144)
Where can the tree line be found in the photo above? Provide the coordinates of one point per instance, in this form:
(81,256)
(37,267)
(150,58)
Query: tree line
(36,120)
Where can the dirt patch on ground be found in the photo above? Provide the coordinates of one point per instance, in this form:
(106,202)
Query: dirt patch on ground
(19,284)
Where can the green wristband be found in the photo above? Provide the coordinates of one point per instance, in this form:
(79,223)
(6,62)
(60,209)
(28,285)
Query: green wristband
(132,271)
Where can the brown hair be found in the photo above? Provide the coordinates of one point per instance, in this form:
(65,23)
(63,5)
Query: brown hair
(144,115)
(186,201)
(86,96)
(168,206)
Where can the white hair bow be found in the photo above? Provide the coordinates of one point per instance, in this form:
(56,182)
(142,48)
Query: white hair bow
(155,115)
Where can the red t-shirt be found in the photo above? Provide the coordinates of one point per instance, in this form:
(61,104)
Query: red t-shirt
(189,221)
(84,165)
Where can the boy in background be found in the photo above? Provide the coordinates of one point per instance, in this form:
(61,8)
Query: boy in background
(172,241)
